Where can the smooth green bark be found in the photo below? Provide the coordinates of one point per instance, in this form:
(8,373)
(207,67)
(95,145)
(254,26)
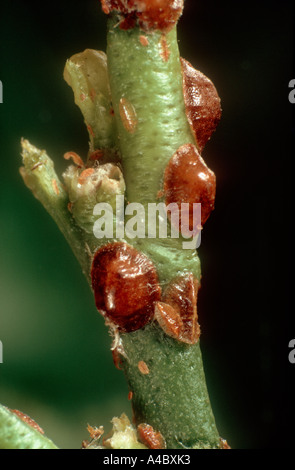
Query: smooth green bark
(173,396)
(153,86)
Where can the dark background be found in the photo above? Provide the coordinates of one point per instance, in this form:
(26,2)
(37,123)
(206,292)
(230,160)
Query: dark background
(57,365)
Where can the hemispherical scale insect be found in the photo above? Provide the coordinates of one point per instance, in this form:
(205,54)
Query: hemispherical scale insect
(125,285)
(202,103)
(177,312)
(187,179)
(128,294)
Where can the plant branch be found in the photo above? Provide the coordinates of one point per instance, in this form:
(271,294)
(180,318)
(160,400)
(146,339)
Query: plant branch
(143,147)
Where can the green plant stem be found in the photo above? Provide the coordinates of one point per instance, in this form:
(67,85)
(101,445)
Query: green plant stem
(153,86)
(40,177)
(16,434)
(173,397)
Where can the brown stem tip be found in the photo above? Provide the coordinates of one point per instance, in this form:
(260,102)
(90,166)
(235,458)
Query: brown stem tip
(151,14)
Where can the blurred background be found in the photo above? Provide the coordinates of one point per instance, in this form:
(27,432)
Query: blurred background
(57,366)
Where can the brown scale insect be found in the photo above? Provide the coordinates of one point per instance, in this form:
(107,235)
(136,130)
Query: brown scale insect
(125,285)
(168,319)
(128,115)
(149,437)
(187,179)
(164,48)
(92,94)
(151,14)
(28,420)
(143,40)
(90,130)
(55,186)
(96,155)
(202,103)
(143,367)
(85,174)
(117,358)
(177,312)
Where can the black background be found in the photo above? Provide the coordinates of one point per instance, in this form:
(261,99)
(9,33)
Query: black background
(245,309)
